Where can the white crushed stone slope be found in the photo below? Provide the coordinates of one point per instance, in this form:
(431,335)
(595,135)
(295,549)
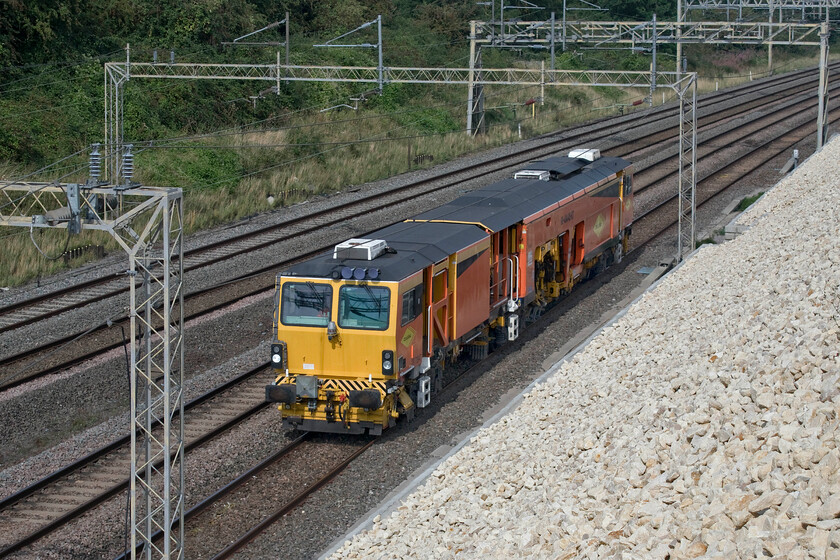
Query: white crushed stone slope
(702,423)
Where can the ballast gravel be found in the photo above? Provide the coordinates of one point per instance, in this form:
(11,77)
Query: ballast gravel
(704,422)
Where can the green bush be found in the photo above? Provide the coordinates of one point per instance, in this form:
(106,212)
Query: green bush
(191,169)
(747,202)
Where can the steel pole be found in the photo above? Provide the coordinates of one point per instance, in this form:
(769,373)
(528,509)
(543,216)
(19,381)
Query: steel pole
(379,28)
(178,251)
(132,387)
(679,37)
(653,64)
(471,80)
(823,89)
(770,45)
(150,489)
(493,22)
(502,20)
(564,25)
(687,174)
(694,162)
(552,41)
(542,83)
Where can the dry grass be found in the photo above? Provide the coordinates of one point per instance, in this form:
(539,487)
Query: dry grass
(744,75)
(22,262)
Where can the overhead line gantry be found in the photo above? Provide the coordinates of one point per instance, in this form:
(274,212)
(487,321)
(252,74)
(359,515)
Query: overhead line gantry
(147,222)
(513,33)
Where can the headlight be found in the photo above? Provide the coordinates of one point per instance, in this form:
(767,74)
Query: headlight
(278,354)
(387,362)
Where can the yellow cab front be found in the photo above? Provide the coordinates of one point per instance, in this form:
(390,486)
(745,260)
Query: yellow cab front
(334,354)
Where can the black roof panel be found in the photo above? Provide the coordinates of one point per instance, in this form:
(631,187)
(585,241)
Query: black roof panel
(417,244)
(559,165)
(507,202)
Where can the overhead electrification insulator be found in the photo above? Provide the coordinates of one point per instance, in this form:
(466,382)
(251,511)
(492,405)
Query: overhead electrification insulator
(128,164)
(95,163)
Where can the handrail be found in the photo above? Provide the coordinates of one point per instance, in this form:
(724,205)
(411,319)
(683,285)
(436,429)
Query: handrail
(516,268)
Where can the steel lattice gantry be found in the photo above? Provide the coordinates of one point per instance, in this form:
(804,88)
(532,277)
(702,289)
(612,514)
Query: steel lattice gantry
(118,73)
(404,75)
(157,482)
(527,33)
(475,77)
(687,172)
(684,85)
(759,4)
(148,223)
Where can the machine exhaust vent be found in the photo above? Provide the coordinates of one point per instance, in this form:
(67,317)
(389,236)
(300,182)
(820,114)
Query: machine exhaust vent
(359,249)
(589,154)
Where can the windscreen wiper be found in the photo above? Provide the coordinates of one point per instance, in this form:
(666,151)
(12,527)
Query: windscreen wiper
(317,295)
(373,298)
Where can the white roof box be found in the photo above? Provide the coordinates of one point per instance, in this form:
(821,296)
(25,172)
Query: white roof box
(589,154)
(532,174)
(359,249)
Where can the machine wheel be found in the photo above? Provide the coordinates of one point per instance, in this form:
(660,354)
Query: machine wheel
(499,337)
(618,252)
(599,267)
(437,379)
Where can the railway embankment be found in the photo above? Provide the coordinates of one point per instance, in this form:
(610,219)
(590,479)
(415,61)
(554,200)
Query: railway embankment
(704,421)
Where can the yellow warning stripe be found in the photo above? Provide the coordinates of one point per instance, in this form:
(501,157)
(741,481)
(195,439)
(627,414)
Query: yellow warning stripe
(479,224)
(346,384)
(352,385)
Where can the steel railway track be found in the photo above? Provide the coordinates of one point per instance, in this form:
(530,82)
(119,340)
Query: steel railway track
(264,477)
(101,475)
(46,496)
(731,174)
(718,142)
(65,495)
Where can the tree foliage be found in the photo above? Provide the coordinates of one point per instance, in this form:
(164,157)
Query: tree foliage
(52,51)
(640,10)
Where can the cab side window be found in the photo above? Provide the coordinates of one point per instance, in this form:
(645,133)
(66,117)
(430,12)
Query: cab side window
(412,304)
